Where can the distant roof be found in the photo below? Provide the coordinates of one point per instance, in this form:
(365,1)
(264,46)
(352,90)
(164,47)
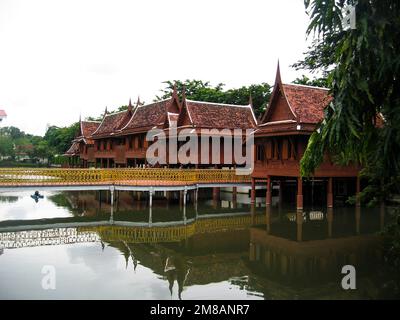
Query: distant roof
(3,114)
(73,150)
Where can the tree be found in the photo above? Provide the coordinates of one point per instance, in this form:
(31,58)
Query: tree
(203,91)
(6,146)
(362,65)
(362,123)
(316,82)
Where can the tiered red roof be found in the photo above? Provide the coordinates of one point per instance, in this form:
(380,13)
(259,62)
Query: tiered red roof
(3,114)
(294,107)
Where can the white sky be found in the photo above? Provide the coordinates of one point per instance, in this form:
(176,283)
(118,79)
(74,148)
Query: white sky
(62,58)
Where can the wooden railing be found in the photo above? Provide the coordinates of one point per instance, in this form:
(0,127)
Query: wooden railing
(115,176)
(173,233)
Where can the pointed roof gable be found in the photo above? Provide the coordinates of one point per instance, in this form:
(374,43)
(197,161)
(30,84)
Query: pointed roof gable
(73,150)
(292,102)
(152,115)
(87,128)
(112,122)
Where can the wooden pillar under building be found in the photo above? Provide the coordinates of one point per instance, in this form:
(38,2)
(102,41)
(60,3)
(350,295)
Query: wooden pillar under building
(216,197)
(329,195)
(299,222)
(329,217)
(253,213)
(269,192)
(281,183)
(299,193)
(358,189)
(268,218)
(234,197)
(253,190)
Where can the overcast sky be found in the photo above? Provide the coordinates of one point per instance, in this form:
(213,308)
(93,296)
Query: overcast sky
(60,59)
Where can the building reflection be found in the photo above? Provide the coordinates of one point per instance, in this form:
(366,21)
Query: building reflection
(296,249)
(303,254)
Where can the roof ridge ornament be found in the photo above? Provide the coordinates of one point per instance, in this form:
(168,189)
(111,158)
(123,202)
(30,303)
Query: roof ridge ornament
(174,91)
(138,102)
(130,105)
(278,78)
(183,92)
(251,100)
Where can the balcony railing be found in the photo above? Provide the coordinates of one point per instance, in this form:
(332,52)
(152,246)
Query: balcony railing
(22,176)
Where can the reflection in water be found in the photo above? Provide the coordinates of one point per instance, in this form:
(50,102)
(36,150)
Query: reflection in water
(226,249)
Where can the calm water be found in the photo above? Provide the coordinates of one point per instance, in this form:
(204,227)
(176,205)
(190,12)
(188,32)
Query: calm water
(219,249)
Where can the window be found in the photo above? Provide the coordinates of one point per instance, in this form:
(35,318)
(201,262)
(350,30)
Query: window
(260,153)
(140,142)
(130,142)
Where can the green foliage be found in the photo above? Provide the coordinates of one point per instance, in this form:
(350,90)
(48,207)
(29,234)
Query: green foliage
(59,139)
(6,146)
(363,66)
(391,245)
(316,82)
(203,91)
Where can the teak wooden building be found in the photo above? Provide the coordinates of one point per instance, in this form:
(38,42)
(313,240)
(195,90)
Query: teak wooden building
(119,140)
(293,113)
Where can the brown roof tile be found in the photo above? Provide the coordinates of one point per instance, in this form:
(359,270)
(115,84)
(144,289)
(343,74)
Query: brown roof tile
(88,128)
(148,116)
(307,102)
(217,115)
(73,150)
(112,123)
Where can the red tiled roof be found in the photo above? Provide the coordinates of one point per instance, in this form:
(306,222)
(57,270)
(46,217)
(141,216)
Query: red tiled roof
(88,128)
(217,115)
(111,123)
(73,150)
(308,103)
(148,116)
(3,113)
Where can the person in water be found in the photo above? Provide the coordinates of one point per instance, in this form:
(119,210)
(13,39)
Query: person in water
(36,196)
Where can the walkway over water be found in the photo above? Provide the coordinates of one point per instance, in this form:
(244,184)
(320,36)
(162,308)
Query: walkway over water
(119,179)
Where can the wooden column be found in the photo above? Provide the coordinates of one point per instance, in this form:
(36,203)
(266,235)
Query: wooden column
(281,183)
(269,192)
(358,189)
(253,190)
(329,217)
(268,218)
(216,197)
(329,195)
(299,223)
(299,193)
(234,197)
